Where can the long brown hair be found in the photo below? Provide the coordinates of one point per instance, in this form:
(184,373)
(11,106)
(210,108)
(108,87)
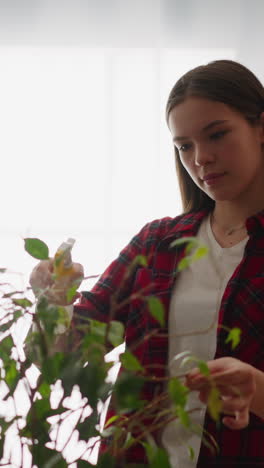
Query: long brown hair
(224,81)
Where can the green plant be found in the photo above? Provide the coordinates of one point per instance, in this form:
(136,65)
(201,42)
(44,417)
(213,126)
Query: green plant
(80,363)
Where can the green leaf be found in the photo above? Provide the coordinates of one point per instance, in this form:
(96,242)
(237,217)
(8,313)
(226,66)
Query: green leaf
(184,263)
(37,428)
(189,259)
(2,442)
(87,428)
(83,464)
(106,461)
(161,459)
(70,375)
(57,461)
(12,375)
(178,392)
(41,408)
(94,352)
(71,292)
(47,458)
(22,302)
(184,240)
(36,248)
(17,314)
(91,380)
(191,246)
(150,447)
(116,333)
(6,346)
(98,329)
(191,453)
(156,309)
(214,404)
(63,316)
(140,260)
(200,253)
(3,270)
(203,367)
(50,316)
(111,420)
(52,367)
(45,390)
(192,243)
(129,440)
(5,425)
(183,416)
(130,362)
(127,391)
(10,294)
(234,336)
(6,326)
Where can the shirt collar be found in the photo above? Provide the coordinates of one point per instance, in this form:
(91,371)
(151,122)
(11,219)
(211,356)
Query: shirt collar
(255,223)
(186,225)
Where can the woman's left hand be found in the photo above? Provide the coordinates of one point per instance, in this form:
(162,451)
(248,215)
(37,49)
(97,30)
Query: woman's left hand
(236,382)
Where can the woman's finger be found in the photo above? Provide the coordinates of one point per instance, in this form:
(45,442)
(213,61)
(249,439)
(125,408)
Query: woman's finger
(240,420)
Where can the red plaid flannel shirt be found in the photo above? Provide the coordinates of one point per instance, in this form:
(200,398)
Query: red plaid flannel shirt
(242,306)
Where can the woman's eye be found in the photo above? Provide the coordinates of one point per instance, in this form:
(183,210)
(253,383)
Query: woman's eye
(184,148)
(218,135)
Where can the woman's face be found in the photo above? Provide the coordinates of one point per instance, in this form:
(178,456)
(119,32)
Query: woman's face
(220,150)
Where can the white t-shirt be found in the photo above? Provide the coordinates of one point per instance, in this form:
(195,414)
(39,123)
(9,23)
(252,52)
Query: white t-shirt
(194,307)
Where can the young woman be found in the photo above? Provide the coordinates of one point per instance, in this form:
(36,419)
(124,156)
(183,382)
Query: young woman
(215,114)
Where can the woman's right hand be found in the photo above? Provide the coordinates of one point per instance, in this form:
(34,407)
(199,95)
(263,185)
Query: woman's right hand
(54,288)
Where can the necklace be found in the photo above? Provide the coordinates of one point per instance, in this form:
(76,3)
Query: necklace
(231,230)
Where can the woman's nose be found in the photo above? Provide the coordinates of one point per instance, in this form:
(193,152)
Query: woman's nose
(203,156)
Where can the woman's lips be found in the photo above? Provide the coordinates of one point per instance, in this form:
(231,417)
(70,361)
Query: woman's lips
(213,178)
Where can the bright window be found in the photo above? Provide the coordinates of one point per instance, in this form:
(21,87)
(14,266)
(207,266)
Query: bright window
(85,150)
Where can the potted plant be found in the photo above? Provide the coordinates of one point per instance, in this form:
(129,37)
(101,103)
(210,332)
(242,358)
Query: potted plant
(81,366)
